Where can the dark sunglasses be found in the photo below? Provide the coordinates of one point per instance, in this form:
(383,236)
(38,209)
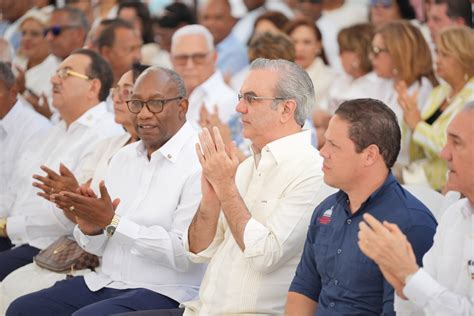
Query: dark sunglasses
(56,30)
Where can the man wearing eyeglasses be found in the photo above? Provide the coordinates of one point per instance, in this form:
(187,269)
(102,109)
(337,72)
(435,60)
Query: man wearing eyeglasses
(157,179)
(67,30)
(194,58)
(80,86)
(251,223)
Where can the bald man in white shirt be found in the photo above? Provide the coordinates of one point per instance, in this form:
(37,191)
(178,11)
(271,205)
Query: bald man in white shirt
(137,224)
(445,283)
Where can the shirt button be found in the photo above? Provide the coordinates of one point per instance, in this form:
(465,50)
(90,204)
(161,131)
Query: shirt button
(349,221)
(339,251)
(169,156)
(332,304)
(336,282)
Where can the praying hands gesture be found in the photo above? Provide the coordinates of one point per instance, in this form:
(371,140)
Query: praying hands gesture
(219,164)
(55,183)
(389,248)
(408,103)
(92,213)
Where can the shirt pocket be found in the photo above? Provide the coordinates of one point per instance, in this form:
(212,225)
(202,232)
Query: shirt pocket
(264,209)
(322,235)
(366,276)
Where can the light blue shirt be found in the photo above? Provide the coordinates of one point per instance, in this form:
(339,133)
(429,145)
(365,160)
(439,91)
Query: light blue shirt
(231,55)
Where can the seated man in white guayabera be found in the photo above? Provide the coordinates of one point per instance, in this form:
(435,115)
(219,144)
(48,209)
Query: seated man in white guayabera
(138,227)
(194,58)
(80,86)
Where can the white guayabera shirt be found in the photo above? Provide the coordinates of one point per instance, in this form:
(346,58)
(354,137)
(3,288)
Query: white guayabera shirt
(158,199)
(445,284)
(281,193)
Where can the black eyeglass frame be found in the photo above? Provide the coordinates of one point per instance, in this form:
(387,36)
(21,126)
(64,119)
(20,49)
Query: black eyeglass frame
(146,103)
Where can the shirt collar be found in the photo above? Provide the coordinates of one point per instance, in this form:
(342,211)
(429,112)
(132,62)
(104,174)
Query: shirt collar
(172,148)
(284,148)
(389,181)
(91,116)
(10,120)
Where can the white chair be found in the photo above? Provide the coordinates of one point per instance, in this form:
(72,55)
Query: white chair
(434,201)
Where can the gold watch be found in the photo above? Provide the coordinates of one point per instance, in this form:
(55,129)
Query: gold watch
(3,227)
(110,229)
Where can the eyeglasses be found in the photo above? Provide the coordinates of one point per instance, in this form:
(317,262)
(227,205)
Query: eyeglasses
(197,58)
(122,94)
(378,50)
(154,106)
(384,3)
(31,33)
(56,30)
(63,73)
(249,98)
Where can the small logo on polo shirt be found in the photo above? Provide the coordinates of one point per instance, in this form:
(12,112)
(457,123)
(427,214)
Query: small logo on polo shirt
(326,218)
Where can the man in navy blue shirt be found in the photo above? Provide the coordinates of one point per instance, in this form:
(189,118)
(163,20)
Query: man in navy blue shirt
(334,277)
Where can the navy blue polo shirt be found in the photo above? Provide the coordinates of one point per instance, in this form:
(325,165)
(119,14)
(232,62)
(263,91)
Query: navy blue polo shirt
(335,273)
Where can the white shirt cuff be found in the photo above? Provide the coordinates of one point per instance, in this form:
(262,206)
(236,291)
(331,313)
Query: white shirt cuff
(88,242)
(421,288)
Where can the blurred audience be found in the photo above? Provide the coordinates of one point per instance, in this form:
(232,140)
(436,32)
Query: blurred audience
(67,30)
(119,43)
(382,11)
(174,16)
(231,54)
(311,57)
(455,65)
(270,21)
(34,63)
(400,53)
(336,15)
(194,58)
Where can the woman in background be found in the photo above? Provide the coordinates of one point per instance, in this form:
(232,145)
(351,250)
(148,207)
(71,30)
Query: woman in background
(310,56)
(400,53)
(455,65)
(34,63)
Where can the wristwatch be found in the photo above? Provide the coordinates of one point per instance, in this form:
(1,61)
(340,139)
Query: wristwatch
(110,229)
(3,227)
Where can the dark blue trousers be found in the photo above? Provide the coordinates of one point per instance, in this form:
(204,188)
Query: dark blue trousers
(73,297)
(5,244)
(15,258)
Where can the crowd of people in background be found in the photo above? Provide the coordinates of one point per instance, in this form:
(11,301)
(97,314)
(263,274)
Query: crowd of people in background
(227,157)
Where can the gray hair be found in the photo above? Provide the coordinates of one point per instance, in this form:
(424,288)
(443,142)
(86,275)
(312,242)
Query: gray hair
(173,77)
(193,29)
(6,75)
(75,17)
(294,83)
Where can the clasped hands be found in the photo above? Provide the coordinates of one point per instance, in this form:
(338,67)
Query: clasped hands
(385,244)
(79,203)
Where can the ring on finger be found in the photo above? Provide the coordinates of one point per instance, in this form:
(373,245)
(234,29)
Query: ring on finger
(72,208)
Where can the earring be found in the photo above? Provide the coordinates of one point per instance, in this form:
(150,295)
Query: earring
(394,71)
(466,77)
